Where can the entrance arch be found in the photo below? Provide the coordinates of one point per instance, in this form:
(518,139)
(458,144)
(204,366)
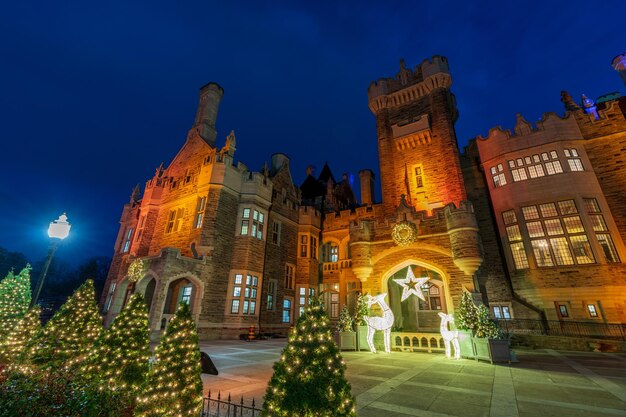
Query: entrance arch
(418,312)
(183,288)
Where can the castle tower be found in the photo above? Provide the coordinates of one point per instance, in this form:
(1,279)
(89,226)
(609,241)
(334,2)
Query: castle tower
(619,64)
(418,152)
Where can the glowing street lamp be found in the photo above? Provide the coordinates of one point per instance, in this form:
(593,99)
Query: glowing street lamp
(57,231)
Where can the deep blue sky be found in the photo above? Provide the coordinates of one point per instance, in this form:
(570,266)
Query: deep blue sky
(95,95)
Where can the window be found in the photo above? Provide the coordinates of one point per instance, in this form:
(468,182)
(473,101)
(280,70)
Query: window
(591,308)
(142,223)
(289,275)
(334,253)
(244,294)
(501,312)
(252,222)
(334,305)
(514,236)
(608,248)
(107,304)
(519,174)
(271,294)
(304,298)
(200,207)
(498,176)
(519,255)
(303,245)
(509,217)
(419,180)
(185,295)
(575,164)
(286,310)
(313,248)
(127,240)
(591,205)
(554,167)
(175,220)
(563,310)
(570,247)
(542,253)
(276,232)
(599,225)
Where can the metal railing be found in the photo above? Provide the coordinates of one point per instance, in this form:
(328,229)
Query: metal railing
(564,328)
(218,407)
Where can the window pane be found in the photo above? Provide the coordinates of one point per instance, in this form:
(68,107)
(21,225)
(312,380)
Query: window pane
(506,312)
(597,222)
(535,158)
(248,279)
(567,207)
(553,227)
(530,212)
(246,292)
(234,307)
(544,156)
(582,250)
(519,162)
(534,229)
(245,307)
(542,253)
(592,310)
(513,233)
(255,216)
(255,281)
(540,172)
(573,224)
(236,291)
(238,278)
(563,310)
(608,248)
(252,307)
(561,251)
(519,255)
(244,227)
(302,291)
(261,218)
(527,160)
(246,213)
(253,293)
(553,155)
(509,217)
(511,164)
(302,301)
(591,205)
(548,210)
(496,312)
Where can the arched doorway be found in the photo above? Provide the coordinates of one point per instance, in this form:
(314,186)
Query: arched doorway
(149,293)
(181,290)
(416,295)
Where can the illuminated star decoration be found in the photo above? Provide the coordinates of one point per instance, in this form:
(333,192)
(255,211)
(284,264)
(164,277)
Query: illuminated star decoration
(411,285)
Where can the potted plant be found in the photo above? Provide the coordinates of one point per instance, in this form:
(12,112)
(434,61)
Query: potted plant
(466,320)
(361,327)
(345,335)
(489,342)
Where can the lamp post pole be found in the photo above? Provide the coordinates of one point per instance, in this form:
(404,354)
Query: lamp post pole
(57,231)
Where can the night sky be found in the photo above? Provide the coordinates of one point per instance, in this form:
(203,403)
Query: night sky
(95,95)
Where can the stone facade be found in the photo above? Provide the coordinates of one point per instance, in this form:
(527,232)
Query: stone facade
(531,222)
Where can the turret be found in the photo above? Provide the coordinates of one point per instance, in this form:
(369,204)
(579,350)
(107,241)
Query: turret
(464,238)
(619,64)
(210,97)
(366,178)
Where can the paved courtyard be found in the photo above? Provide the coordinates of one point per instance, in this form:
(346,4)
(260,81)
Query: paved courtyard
(544,383)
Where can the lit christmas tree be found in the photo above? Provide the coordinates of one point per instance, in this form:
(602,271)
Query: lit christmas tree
(467,313)
(309,379)
(72,331)
(361,310)
(12,347)
(174,385)
(485,326)
(121,356)
(14,300)
(345,323)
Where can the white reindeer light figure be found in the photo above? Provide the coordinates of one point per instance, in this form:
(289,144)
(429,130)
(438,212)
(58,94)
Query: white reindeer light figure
(449,335)
(383,323)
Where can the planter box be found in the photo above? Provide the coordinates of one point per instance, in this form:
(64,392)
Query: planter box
(346,340)
(361,332)
(466,344)
(492,350)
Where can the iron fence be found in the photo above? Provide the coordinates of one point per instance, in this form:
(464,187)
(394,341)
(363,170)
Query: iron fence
(218,407)
(564,328)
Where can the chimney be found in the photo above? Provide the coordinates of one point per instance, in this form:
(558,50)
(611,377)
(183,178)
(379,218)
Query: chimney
(366,177)
(210,97)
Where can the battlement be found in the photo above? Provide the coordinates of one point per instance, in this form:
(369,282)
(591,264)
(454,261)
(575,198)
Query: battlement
(551,128)
(409,84)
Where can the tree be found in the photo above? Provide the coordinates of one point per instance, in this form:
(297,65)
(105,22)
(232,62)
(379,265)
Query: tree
(485,326)
(121,356)
(12,347)
(467,315)
(10,260)
(174,385)
(345,323)
(362,310)
(71,332)
(309,379)
(14,300)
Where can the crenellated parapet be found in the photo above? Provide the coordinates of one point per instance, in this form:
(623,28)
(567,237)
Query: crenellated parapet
(551,128)
(611,119)
(409,84)
(464,237)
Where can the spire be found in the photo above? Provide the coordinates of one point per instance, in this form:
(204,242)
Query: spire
(568,101)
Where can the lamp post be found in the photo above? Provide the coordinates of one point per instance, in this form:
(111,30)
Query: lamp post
(57,231)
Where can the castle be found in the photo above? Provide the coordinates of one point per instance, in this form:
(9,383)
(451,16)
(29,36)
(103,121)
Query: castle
(531,222)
